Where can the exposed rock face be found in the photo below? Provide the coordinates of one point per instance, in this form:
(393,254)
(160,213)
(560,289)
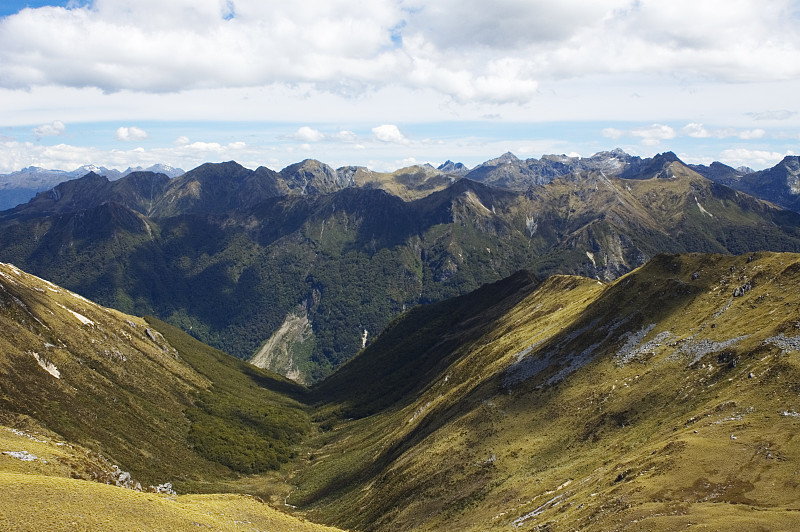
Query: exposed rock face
(281,351)
(218,187)
(449,167)
(313,177)
(508,171)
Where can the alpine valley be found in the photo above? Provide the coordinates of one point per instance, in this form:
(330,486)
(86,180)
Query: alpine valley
(609,343)
(665,399)
(298,270)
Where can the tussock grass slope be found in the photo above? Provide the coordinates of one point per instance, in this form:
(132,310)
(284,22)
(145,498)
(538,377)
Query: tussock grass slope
(57,503)
(164,408)
(665,399)
(88,393)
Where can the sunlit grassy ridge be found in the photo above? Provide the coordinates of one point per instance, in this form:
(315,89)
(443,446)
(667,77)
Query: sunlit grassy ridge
(668,398)
(98,410)
(162,406)
(654,402)
(35,502)
(38,494)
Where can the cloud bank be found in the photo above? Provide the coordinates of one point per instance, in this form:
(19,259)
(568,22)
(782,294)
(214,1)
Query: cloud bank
(460,49)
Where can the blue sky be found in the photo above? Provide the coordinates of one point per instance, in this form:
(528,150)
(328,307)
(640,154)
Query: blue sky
(391,83)
(9,7)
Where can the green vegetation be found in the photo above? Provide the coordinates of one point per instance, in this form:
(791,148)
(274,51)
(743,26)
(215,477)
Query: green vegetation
(651,403)
(160,404)
(249,420)
(666,398)
(236,253)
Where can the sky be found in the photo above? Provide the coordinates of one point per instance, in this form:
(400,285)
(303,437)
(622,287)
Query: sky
(391,83)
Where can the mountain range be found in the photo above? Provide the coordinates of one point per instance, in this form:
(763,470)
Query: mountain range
(664,399)
(602,343)
(20,186)
(298,270)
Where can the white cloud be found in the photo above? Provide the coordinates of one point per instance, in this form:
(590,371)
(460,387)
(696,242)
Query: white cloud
(752,134)
(205,146)
(780,114)
(346,136)
(307,134)
(696,131)
(510,24)
(389,133)
(455,47)
(653,135)
(53,129)
(754,158)
(613,133)
(127,134)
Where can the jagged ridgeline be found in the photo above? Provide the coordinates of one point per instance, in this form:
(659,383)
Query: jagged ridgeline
(298,270)
(666,399)
(160,404)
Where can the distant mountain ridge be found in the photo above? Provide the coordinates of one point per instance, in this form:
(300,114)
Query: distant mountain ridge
(237,255)
(778,184)
(18,187)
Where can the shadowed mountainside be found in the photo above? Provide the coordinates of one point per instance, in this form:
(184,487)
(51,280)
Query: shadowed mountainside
(662,399)
(298,270)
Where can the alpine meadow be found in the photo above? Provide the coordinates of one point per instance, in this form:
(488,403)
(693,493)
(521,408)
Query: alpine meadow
(565,343)
(399,265)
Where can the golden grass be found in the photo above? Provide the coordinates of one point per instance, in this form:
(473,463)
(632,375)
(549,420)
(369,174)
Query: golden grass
(41,503)
(37,495)
(658,443)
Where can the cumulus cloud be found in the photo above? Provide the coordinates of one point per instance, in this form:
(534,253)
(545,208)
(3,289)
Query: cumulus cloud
(307,134)
(696,131)
(755,158)
(752,134)
(50,130)
(613,133)
(653,135)
(389,133)
(132,133)
(346,136)
(455,47)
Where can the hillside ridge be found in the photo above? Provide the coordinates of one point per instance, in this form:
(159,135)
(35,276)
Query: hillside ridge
(234,255)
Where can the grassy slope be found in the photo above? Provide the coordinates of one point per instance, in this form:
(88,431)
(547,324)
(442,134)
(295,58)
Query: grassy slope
(117,395)
(693,420)
(119,386)
(39,494)
(68,504)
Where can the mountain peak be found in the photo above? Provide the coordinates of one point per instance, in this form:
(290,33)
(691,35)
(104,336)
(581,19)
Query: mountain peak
(449,167)
(311,176)
(506,158)
(792,162)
